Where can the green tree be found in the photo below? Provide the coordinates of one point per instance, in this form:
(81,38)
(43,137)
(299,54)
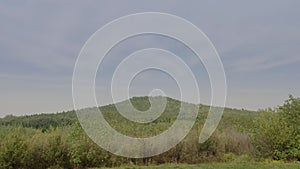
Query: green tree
(277,133)
(290,113)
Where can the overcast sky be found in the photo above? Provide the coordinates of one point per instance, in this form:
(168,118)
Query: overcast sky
(258,43)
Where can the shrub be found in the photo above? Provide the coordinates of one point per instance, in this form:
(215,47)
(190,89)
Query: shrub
(277,134)
(13,151)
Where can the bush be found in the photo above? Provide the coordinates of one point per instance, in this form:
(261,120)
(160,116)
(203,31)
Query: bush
(13,151)
(277,134)
(49,150)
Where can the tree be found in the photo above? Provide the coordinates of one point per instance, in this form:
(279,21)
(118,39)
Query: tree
(290,113)
(277,133)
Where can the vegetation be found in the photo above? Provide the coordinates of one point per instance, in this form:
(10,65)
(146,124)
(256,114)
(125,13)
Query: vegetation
(278,132)
(221,166)
(40,121)
(58,141)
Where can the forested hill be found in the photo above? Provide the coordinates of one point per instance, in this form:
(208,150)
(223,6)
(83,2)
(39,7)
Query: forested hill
(231,117)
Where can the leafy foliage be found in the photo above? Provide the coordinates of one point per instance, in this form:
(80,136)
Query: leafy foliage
(277,132)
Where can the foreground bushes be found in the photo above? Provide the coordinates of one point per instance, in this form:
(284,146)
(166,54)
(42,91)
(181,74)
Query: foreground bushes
(14,152)
(69,147)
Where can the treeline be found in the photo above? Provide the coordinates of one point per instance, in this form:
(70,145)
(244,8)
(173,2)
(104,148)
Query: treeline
(40,121)
(242,136)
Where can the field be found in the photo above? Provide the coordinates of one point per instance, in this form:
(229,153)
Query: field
(223,166)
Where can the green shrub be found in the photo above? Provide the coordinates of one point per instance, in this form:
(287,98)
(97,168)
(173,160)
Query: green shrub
(13,151)
(277,133)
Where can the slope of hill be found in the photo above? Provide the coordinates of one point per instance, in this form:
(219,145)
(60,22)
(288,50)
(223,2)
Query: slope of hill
(232,118)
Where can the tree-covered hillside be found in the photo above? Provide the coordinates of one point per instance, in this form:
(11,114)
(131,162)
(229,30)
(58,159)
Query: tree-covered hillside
(231,117)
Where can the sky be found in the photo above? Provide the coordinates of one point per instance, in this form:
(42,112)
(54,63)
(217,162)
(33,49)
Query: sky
(257,41)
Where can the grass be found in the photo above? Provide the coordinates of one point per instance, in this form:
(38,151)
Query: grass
(222,166)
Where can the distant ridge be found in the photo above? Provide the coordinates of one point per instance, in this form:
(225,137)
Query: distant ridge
(65,118)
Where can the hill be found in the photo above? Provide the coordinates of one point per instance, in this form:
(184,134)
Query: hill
(232,118)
